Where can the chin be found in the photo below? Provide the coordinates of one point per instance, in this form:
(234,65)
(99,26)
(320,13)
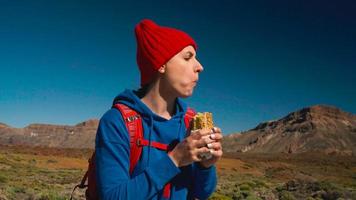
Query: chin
(186,94)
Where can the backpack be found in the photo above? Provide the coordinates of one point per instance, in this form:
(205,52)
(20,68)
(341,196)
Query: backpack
(133,124)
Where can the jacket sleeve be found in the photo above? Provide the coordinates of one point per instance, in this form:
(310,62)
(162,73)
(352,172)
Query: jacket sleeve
(112,164)
(204,181)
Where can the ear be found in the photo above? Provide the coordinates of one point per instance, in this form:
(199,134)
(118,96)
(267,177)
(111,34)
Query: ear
(162,69)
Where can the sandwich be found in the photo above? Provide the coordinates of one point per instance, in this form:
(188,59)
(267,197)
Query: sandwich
(203,121)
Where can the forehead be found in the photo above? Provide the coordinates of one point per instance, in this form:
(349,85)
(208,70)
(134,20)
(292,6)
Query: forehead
(188,49)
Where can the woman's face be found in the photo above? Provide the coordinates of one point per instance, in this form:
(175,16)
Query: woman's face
(181,73)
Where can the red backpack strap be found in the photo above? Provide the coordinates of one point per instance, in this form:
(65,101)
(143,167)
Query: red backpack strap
(189,115)
(133,124)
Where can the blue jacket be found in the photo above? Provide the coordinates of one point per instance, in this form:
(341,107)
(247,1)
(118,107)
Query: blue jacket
(155,168)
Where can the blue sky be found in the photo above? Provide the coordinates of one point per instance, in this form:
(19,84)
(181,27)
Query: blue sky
(62,62)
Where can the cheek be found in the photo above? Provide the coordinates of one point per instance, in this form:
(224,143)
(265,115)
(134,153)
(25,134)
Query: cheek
(179,75)
(182,84)
(182,80)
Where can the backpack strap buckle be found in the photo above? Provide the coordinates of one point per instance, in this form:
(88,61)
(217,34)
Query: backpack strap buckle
(138,142)
(132,118)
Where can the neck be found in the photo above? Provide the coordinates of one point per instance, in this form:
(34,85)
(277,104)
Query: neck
(160,101)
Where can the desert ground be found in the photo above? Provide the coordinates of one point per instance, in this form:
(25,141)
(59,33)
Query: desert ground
(50,173)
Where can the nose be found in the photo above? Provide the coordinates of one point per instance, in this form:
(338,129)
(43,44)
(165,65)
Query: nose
(198,68)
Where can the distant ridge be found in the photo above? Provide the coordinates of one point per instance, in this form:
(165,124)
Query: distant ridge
(2,125)
(81,135)
(320,128)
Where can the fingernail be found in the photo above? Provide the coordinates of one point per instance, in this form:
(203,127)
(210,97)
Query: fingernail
(212,136)
(194,131)
(211,150)
(210,145)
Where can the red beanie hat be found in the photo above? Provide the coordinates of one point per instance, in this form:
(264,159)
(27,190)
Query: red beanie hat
(156,45)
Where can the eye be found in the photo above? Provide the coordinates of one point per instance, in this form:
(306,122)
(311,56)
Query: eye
(188,56)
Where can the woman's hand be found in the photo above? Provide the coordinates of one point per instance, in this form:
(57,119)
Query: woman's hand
(188,150)
(198,142)
(215,148)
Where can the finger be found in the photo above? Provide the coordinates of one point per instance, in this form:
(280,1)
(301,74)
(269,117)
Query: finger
(216,129)
(215,146)
(197,134)
(201,150)
(197,158)
(198,152)
(205,140)
(216,136)
(205,131)
(217,154)
(200,143)
(208,139)
(195,143)
(194,133)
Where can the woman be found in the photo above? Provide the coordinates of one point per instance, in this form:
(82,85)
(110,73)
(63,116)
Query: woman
(169,71)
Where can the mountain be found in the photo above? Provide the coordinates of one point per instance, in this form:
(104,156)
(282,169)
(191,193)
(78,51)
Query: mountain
(81,135)
(2,125)
(319,128)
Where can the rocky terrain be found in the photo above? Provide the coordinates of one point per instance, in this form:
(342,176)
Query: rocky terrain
(308,154)
(81,135)
(319,128)
(42,173)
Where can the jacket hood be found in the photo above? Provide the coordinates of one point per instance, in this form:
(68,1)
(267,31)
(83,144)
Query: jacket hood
(131,99)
